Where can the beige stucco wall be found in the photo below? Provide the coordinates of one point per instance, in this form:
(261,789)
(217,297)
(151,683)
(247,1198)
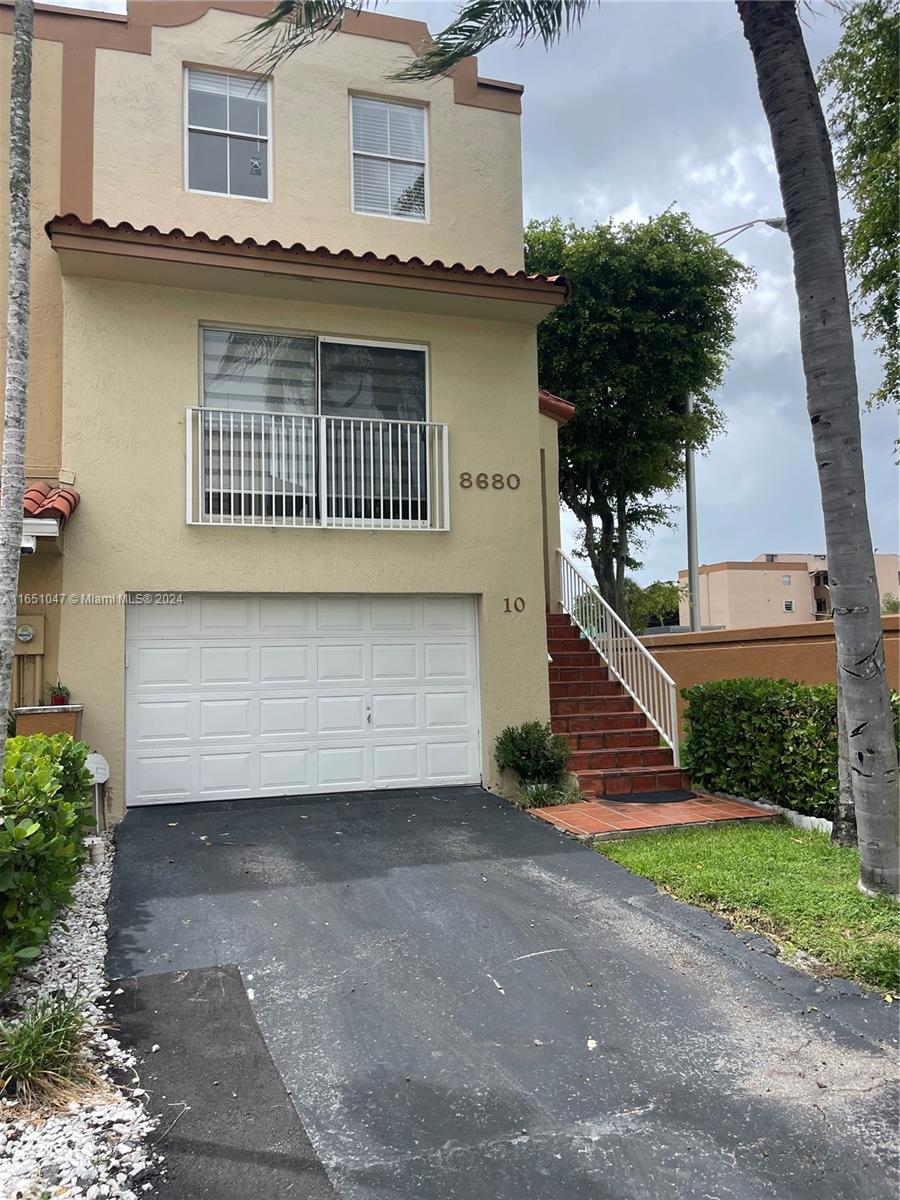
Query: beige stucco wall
(474,172)
(42,452)
(549,435)
(131,369)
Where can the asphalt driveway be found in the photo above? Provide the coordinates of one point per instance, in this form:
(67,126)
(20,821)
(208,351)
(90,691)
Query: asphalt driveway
(462,1002)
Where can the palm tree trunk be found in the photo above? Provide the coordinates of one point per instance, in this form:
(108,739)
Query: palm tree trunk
(802,148)
(843,830)
(12,471)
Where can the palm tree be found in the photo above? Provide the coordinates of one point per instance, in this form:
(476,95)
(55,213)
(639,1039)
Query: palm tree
(806,176)
(12,471)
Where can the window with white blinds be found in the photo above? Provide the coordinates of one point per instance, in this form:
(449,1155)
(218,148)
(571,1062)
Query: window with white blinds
(389,158)
(227,134)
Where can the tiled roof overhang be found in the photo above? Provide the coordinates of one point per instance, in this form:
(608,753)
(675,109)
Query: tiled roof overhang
(46,502)
(554,406)
(124,240)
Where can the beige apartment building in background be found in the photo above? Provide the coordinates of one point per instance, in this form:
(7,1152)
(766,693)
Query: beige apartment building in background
(773,589)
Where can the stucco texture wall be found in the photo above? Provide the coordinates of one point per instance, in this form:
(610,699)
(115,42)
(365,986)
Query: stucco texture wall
(474,172)
(131,369)
(805,653)
(42,451)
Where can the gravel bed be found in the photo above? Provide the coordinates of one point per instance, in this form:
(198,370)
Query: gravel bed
(98,1148)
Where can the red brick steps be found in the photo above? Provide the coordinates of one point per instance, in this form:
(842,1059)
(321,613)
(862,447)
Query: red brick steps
(615,750)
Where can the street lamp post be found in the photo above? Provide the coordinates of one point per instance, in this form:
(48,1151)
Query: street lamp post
(690,491)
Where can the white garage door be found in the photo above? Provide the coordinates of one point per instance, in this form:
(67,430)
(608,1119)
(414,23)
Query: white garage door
(240,696)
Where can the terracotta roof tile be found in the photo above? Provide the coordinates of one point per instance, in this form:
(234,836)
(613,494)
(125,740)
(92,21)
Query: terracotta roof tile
(551,286)
(554,406)
(47,502)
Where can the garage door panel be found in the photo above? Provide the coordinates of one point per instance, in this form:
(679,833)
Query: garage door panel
(284,664)
(447,710)
(395,660)
(338,663)
(225,718)
(395,613)
(341,766)
(390,711)
(285,614)
(340,714)
(233,696)
(222,774)
(284,771)
(447,660)
(344,613)
(161,721)
(395,765)
(226,664)
(283,715)
(448,613)
(226,614)
(447,760)
(164,666)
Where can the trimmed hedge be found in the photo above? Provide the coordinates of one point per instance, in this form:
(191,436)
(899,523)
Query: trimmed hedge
(533,750)
(44,806)
(765,739)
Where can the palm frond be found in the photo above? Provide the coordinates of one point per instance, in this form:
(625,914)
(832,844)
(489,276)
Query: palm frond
(481,23)
(293,24)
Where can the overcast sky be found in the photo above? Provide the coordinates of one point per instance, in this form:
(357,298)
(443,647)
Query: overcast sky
(652,104)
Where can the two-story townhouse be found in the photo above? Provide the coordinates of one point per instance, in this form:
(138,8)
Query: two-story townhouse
(284,362)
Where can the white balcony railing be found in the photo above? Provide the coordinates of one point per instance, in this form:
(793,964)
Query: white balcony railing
(652,689)
(294,471)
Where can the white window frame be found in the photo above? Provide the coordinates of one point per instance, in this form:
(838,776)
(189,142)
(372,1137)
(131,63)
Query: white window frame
(426,218)
(188,128)
(788,606)
(785,581)
(320,338)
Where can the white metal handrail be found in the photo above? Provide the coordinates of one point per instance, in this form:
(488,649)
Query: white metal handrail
(290,470)
(652,689)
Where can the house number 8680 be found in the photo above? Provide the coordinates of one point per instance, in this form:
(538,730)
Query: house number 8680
(482,480)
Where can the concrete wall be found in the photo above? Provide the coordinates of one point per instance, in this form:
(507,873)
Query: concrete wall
(751,595)
(131,369)
(805,653)
(474,177)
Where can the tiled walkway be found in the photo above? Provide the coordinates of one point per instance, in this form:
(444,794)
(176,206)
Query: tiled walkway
(603,819)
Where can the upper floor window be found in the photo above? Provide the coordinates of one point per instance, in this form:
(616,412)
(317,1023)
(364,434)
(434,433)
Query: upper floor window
(389,158)
(227,134)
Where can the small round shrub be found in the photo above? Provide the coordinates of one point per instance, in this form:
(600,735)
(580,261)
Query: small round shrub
(545,795)
(533,751)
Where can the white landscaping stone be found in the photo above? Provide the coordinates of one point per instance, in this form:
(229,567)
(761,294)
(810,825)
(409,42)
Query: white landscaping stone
(96,1149)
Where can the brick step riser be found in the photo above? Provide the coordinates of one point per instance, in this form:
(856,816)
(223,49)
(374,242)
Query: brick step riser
(564,691)
(574,645)
(628,783)
(580,660)
(619,760)
(615,739)
(578,674)
(569,723)
(588,706)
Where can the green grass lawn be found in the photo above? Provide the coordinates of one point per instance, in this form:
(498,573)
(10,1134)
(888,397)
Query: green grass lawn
(791,885)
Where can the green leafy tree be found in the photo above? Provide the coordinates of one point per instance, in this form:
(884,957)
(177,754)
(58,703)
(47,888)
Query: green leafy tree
(806,177)
(653,605)
(650,319)
(890,604)
(865,81)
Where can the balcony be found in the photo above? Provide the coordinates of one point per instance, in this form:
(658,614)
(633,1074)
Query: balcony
(289,471)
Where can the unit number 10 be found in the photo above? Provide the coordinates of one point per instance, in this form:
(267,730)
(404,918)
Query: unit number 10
(516,605)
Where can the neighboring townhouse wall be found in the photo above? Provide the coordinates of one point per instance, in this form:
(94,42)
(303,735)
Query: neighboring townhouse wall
(750,595)
(474,181)
(124,434)
(805,653)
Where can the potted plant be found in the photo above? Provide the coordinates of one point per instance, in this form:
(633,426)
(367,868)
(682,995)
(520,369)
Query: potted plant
(59,693)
